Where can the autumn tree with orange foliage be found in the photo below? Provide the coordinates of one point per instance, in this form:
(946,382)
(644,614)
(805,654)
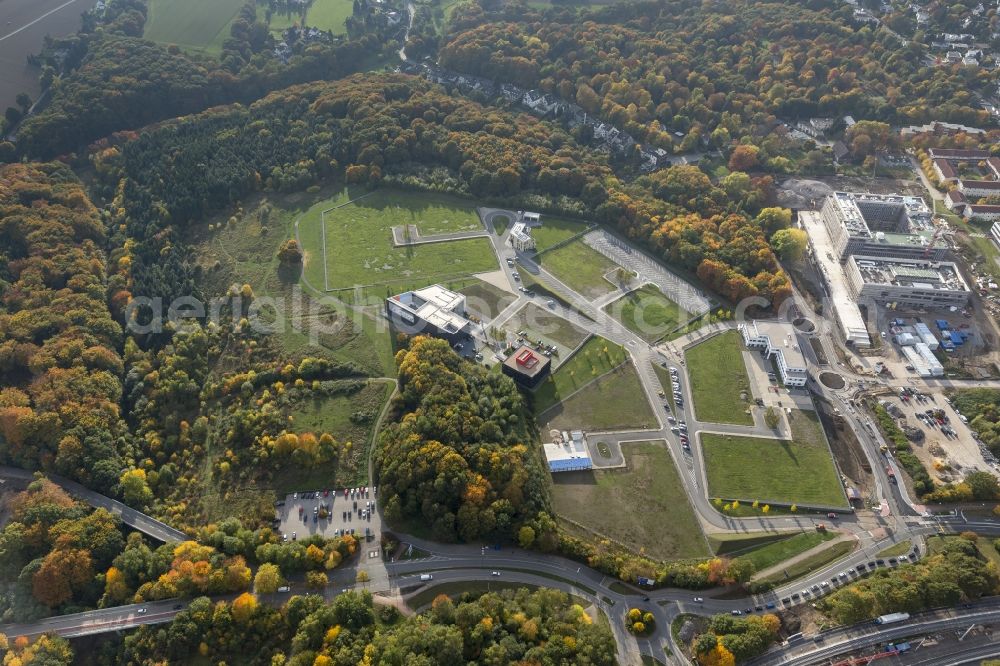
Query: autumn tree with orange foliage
(458,456)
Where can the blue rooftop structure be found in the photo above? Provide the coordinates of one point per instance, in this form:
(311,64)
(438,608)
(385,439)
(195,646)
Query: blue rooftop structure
(570,464)
(568,453)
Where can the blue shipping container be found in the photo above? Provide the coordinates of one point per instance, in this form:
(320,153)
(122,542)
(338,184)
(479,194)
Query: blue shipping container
(957,338)
(941,324)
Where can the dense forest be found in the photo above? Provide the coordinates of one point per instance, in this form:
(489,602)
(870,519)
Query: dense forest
(154,82)
(61,390)
(59,556)
(460,457)
(713,71)
(494,629)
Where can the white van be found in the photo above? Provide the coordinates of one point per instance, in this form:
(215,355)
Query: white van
(426,577)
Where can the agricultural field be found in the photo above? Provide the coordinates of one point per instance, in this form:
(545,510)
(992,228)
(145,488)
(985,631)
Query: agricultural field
(614,401)
(349,417)
(23,26)
(647,313)
(359,252)
(595,358)
(191,24)
(241,248)
(322,14)
(798,472)
(719,379)
(629,505)
(581,267)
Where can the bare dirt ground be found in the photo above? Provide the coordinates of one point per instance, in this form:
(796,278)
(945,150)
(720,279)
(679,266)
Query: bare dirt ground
(847,451)
(809,192)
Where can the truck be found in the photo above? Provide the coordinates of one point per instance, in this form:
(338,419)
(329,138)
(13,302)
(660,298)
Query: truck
(891,618)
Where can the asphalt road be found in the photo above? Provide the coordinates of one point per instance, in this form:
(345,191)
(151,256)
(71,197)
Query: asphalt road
(135,519)
(840,641)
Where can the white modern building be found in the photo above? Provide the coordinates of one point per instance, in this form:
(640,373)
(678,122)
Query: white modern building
(846,312)
(778,340)
(913,283)
(520,237)
(881,225)
(432,310)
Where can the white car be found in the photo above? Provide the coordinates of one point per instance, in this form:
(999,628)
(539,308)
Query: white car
(494,573)
(698,600)
(142,611)
(284,588)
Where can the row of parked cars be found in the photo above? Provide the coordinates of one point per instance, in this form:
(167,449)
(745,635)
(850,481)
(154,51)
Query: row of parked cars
(679,428)
(819,589)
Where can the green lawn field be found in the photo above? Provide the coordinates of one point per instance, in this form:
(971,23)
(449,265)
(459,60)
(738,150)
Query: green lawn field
(718,377)
(768,555)
(555,230)
(810,564)
(195,24)
(647,312)
(644,505)
(581,267)
(359,248)
(614,401)
(769,470)
(329,15)
(586,365)
(322,14)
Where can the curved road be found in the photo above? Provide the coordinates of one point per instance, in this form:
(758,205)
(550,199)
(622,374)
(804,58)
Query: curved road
(135,519)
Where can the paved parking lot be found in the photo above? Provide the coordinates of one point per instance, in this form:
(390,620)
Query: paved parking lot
(330,513)
(690,298)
